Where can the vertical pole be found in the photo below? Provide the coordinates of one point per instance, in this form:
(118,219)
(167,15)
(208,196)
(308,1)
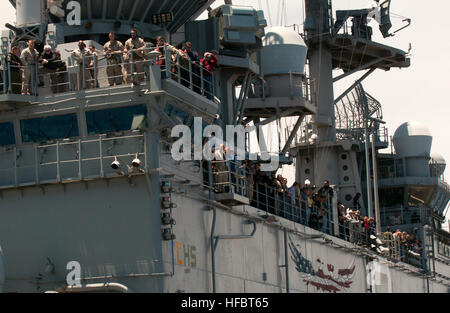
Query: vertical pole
(5,75)
(266,198)
(9,78)
(321,67)
(190,74)
(201,81)
(80,175)
(95,71)
(369,185)
(286,260)
(178,69)
(69,78)
(36,84)
(31,71)
(167,61)
(335,211)
(15,166)
(145,152)
(213,226)
(131,64)
(100,147)
(58,170)
(36,164)
(83,69)
(375,186)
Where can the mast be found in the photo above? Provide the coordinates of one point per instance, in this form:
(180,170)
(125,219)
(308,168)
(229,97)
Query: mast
(317,28)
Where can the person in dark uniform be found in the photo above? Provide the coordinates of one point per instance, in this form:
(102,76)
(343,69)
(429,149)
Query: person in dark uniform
(15,64)
(48,58)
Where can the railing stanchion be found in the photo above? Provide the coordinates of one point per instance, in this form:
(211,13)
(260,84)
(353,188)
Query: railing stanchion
(201,81)
(83,69)
(190,75)
(178,69)
(80,172)
(69,76)
(58,169)
(266,198)
(5,90)
(10,78)
(30,85)
(131,65)
(36,164)
(15,167)
(100,146)
(95,71)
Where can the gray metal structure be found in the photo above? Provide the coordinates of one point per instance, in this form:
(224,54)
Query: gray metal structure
(88,174)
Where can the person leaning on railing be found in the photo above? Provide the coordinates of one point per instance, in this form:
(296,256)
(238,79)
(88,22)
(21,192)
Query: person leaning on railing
(113,50)
(93,70)
(193,55)
(14,64)
(180,65)
(161,46)
(81,56)
(134,56)
(341,221)
(209,63)
(49,66)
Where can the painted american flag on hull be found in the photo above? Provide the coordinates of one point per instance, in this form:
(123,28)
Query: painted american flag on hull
(327,278)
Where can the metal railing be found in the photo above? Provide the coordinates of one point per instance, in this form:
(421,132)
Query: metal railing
(233,176)
(93,71)
(314,212)
(401,250)
(68,161)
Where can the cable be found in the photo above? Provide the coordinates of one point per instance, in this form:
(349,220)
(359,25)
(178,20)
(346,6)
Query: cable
(269,14)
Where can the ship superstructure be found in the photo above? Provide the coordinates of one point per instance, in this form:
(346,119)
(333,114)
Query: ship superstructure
(94,197)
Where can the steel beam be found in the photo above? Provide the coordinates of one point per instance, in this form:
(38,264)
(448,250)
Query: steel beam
(133,10)
(293,134)
(354,85)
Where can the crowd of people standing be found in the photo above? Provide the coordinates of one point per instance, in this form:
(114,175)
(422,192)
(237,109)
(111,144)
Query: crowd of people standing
(309,205)
(125,63)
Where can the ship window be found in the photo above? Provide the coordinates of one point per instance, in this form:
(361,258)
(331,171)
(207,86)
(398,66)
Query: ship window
(48,128)
(117,119)
(7,134)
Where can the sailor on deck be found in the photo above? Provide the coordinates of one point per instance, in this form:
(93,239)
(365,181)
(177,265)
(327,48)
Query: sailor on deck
(114,50)
(30,58)
(15,64)
(134,54)
(81,57)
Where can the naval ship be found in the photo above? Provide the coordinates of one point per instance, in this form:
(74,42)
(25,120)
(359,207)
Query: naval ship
(94,196)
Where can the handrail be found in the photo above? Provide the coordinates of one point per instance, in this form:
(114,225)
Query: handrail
(297,209)
(76,160)
(91,71)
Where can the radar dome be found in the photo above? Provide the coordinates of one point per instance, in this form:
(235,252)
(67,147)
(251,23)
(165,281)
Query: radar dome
(437,164)
(412,139)
(284,51)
